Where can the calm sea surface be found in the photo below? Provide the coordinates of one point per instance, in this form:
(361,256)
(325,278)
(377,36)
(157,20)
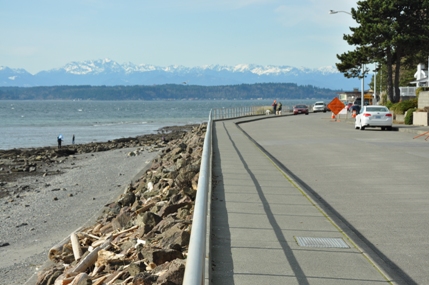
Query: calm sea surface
(25,124)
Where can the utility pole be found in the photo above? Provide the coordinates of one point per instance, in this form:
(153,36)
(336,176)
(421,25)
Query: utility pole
(361,89)
(375,88)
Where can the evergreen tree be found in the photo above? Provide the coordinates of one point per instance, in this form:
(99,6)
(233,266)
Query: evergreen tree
(390,32)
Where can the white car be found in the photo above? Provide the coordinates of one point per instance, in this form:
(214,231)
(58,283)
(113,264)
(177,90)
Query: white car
(319,106)
(374,116)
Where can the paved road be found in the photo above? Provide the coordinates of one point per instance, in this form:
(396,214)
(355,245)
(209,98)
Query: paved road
(372,184)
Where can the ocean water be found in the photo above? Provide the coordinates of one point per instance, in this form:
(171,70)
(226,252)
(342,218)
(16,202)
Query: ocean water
(26,124)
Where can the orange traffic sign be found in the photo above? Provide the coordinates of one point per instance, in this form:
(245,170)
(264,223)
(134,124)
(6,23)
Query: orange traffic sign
(336,106)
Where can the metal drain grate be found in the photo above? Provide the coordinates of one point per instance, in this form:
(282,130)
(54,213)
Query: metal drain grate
(321,242)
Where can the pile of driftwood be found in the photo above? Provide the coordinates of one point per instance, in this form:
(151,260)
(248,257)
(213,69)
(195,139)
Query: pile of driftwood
(141,238)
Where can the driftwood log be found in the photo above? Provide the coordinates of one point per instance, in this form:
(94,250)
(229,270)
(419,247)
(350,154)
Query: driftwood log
(77,250)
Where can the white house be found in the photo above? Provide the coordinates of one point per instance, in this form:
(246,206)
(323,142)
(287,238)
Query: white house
(422,79)
(421,76)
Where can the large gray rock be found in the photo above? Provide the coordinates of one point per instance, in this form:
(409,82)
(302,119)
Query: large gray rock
(173,273)
(147,221)
(178,234)
(160,256)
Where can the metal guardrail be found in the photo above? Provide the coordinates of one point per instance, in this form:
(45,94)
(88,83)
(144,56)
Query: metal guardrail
(227,113)
(198,258)
(408,91)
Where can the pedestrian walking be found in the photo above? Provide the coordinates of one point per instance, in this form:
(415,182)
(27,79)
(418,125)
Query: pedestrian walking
(279,108)
(59,139)
(274,106)
(73,140)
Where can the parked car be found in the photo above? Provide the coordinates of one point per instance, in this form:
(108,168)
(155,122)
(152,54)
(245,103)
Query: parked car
(300,109)
(374,116)
(319,106)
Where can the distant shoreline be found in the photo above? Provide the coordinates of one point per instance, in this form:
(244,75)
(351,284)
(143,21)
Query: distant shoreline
(268,91)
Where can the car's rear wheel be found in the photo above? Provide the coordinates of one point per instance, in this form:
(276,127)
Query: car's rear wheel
(389,128)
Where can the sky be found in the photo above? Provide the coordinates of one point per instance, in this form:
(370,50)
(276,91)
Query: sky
(47,34)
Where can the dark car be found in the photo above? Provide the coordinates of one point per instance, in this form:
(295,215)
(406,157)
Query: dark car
(300,109)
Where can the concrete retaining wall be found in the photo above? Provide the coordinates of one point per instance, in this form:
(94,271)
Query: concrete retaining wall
(423,100)
(399,118)
(420,118)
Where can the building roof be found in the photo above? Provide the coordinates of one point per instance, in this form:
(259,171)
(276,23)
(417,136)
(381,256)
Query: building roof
(423,80)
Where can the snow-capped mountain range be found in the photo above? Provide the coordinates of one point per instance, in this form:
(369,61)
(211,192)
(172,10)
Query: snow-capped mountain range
(108,72)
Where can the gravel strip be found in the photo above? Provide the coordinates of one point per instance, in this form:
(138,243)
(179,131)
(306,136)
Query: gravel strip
(38,219)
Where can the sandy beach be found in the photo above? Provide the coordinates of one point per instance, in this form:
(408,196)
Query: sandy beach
(39,208)
(33,221)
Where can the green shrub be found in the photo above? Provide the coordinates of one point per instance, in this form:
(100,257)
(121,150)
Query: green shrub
(403,106)
(408,120)
(389,104)
(384,98)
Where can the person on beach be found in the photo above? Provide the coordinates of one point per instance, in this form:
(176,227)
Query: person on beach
(279,108)
(274,106)
(59,139)
(73,140)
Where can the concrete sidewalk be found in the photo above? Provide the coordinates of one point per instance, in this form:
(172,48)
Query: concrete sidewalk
(267,230)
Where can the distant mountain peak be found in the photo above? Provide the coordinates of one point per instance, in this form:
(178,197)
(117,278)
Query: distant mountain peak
(15,70)
(108,72)
(328,69)
(104,65)
(90,67)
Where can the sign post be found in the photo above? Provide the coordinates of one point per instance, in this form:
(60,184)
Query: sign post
(335,106)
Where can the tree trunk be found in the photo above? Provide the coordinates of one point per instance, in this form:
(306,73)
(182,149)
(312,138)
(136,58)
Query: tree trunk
(390,93)
(397,92)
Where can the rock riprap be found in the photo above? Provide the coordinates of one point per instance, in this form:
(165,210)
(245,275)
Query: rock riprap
(141,238)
